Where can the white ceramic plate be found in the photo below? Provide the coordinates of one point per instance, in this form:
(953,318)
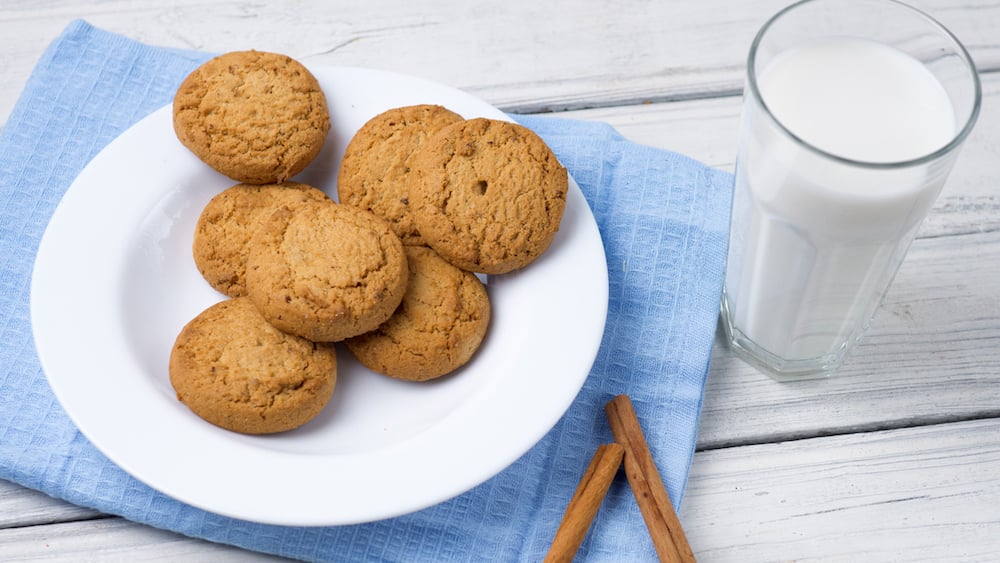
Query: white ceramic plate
(114,282)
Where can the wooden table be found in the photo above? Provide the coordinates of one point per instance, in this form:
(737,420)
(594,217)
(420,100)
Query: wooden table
(896,459)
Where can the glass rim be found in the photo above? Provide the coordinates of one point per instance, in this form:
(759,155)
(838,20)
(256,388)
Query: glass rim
(955,141)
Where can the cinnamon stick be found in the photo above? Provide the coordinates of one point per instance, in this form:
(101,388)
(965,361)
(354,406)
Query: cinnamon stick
(664,528)
(585,502)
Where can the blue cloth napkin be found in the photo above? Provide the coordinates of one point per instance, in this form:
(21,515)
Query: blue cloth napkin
(663,217)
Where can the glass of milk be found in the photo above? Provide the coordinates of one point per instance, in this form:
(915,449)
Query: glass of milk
(854,112)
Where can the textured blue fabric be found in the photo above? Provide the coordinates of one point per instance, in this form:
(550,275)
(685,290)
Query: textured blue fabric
(663,218)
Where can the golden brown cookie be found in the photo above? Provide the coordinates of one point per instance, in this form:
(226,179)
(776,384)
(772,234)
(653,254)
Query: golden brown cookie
(487,195)
(254,116)
(437,328)
(377,161)
(222,235)
(235,370)
(326,272)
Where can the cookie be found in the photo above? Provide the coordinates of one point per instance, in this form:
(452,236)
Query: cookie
(254,116)
(376,163)
(487,195)
(438,327)
(226,225)
(235,370)
(326,272)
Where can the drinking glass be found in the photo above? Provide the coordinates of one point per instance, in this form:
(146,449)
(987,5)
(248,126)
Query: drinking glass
(854,112)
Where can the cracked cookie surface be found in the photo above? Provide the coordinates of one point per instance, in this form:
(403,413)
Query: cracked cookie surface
(228,222)
(326,271)
(377,162)
(256,117)
(487,195)
(438,327)
(236,371)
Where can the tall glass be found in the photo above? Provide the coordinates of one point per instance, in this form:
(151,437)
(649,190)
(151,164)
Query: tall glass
(854,112)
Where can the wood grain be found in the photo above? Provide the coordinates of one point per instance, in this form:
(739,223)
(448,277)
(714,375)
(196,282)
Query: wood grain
(528,56)
(115,539)
(916,494)
(929,358)
(707,131)
(24,507)
(895,459)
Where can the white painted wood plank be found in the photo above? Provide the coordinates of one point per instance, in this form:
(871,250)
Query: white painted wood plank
(918,494)
(934,351)
(520,55)
(913,345)
(707,130)
(24,507)
(114,539)
(915,494)
(913,367)
(932,355)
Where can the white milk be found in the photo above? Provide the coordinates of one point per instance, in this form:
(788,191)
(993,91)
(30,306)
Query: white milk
(819,238)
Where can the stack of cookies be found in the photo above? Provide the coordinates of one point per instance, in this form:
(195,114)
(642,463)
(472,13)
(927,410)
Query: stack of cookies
(427,199)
